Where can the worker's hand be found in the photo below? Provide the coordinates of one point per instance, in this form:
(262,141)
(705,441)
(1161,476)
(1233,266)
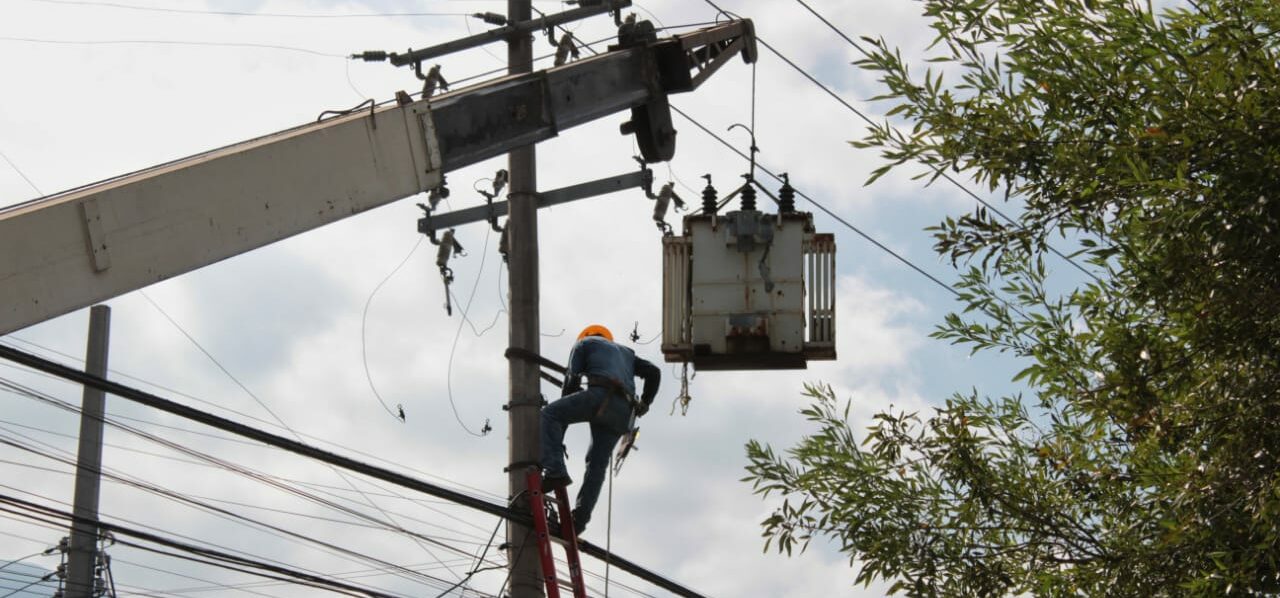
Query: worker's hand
(642,409)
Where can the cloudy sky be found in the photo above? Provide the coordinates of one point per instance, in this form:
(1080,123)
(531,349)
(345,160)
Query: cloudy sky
(283,334)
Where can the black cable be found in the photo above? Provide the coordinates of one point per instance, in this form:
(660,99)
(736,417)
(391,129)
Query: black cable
(824,209)
(523,543)
(377,526)
(16,561)
(294,446)
(364,320)
(830,213)
(24,508)
(243,471)
(226,514)
(868,120)
(215,462)
(248,587)
(27,538)
(448,379)
(252,475)
(476,567)
(273,414)
(477,492)
(38,581)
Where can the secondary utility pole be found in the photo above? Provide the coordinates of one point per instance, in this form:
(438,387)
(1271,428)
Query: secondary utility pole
(82,560)
(525,400)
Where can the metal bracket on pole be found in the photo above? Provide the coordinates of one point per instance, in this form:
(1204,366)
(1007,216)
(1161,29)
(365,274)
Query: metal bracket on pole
(429,224)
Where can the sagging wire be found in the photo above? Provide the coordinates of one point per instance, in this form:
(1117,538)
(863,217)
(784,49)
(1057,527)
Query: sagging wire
(216,511)
(29,444)
(523,543)
(476,568)
(21,174)
(263,404)
(635,335)
(487,427)
(346,64)
(493,19)
(671,175)
(472,491)
(364,320)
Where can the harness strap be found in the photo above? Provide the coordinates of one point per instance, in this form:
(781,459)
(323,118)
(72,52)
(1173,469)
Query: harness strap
(614,388)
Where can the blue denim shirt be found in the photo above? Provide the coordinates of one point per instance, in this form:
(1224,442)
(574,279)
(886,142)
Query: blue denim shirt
(596,356)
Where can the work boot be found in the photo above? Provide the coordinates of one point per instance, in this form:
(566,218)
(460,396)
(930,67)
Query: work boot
(550,483)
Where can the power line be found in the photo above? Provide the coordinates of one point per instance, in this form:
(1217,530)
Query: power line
(34,511)
(207,460)
(448,381)
(824,209)
(364,320)
(36,582)
(476,492)
(20,173)
(347,575)
(231,516)
(102,524)
(213,584)
(864,117)
(117,477)
(273,413)
(235,13)
(4,423)
(231,467)
(167,42)
(294,446)
(273,481)
(830,213)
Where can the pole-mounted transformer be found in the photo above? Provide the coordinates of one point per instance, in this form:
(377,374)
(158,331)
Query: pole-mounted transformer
(749,290)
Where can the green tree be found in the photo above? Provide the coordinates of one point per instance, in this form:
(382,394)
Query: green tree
(1145,458)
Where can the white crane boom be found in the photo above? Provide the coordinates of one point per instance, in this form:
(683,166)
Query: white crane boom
(73,249)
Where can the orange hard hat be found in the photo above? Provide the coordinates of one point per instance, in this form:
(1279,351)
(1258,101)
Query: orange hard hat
(595,330)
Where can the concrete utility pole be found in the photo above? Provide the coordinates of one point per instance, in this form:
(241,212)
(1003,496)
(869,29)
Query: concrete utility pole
(82,559)
(525,400)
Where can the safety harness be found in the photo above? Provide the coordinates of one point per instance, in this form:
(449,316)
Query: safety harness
(615,388)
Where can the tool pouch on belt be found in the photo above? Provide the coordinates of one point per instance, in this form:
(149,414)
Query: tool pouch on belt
(617,389)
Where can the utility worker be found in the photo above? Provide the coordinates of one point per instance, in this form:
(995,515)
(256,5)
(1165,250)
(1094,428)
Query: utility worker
(608,402)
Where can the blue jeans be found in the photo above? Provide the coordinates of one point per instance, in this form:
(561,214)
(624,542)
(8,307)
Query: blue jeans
(606,429)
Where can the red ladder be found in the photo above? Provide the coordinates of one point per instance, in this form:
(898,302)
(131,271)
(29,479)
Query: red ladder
(536,504)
